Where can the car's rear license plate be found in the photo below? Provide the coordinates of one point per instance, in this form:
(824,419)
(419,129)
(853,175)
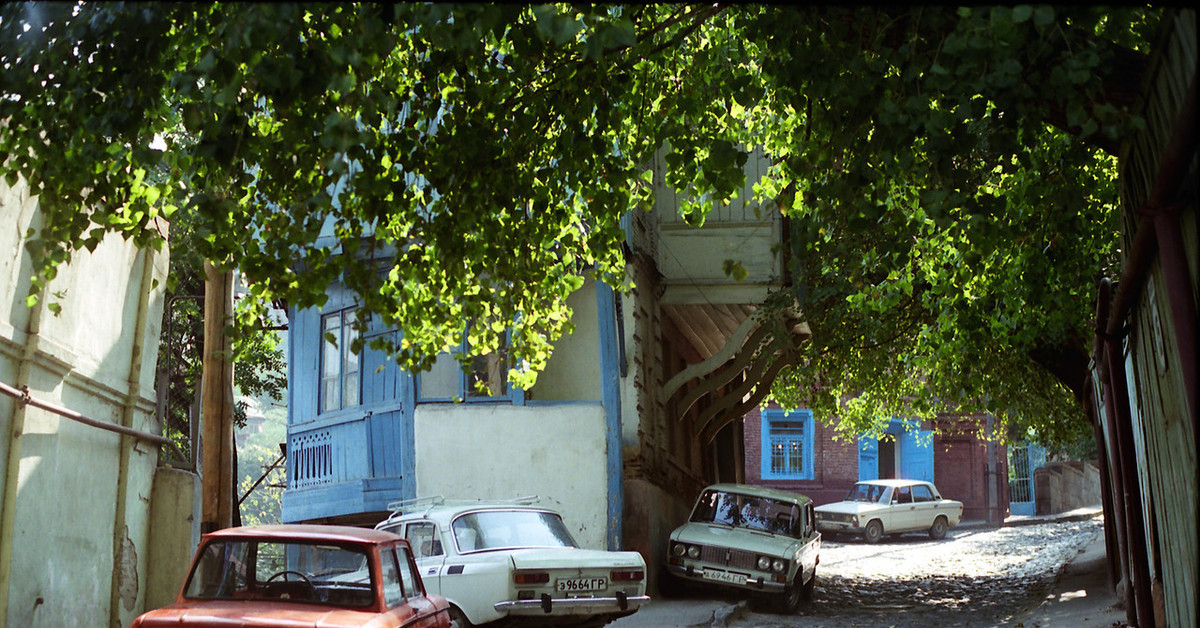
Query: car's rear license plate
(571,585)
(725,576)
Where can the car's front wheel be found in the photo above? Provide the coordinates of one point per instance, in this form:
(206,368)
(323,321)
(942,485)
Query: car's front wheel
(809,587)
(789,601)
(937,531)
(873,532)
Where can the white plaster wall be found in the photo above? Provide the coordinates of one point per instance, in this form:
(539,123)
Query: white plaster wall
(499,451)
(71,560)
(573,370)
(691,258)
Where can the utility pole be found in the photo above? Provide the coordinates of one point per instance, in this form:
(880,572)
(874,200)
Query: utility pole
(993,473)
(216,415)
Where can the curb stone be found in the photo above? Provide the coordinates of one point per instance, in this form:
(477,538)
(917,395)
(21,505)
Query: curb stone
(726,615)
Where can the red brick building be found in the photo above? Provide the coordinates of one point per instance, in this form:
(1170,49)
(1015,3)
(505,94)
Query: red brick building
(794,451)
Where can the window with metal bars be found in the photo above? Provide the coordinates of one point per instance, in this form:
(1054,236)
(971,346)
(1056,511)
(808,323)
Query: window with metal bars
(787,445)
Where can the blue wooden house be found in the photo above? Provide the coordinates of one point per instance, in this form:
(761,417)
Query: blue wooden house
(635,412)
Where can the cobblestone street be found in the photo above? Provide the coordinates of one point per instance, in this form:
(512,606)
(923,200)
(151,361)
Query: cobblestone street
(975,577)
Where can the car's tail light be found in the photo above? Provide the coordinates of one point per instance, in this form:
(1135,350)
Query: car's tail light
(531,577)
(628,575)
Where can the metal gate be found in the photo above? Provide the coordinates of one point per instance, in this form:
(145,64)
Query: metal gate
(1023,460)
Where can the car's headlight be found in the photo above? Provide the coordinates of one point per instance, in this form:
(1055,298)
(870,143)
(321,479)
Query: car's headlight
(693,552)
(679,549)
(779,565)
(764,563)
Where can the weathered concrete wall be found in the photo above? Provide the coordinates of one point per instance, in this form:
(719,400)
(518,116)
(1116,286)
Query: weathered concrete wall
(174,533)
(1063,486)
(573,370)
(75,502)
(651,513)
(500,451)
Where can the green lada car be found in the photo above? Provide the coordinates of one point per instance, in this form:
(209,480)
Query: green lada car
(758,540)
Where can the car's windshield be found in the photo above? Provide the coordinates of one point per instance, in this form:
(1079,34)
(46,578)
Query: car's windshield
(748,511)
(863,492)
(273,570)
(508,529)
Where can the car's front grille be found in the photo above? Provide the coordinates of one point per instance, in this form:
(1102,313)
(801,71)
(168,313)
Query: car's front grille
(728,557)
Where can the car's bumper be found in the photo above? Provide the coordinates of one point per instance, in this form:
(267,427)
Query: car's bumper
(721,577)
(620,604)
(838,527)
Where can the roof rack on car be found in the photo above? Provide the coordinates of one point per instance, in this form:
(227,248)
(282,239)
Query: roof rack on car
(403,506)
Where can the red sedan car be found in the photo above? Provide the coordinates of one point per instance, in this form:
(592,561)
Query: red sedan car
(302,575)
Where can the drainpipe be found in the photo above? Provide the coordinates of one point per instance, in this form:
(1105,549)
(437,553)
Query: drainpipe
(610,399)
(1122,427)
(121,536)
(12,470)
(1113,448)
(1111,548)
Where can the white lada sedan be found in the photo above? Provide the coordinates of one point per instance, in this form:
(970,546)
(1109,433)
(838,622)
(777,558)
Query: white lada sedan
(515,559)
(755,540)
(874,508)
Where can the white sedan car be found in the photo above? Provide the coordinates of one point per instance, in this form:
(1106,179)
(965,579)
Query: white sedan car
(874,508)
(751,539)
(496,560)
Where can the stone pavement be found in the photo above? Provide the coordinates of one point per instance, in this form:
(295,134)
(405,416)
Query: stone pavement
(1080,597)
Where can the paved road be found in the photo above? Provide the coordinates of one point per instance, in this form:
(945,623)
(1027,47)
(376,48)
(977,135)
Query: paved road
(975,577)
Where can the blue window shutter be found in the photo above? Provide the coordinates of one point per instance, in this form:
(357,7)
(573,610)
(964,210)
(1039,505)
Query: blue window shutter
(868,458)
(916,455)
(764,441)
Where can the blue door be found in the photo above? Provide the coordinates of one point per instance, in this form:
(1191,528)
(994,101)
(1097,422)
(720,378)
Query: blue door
(911,453)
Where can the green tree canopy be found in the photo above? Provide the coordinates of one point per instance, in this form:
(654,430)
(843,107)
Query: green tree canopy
(947,174)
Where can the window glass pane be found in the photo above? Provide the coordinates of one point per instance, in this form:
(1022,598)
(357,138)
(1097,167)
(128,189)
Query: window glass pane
(313,573)
(350,390)
(330,357)
(489,375)
(351,335)
(748,511)
(220,571)
(411,588)
(442,381)
(785,441)
(510,529)
(424,542)
(329,395)
(393,589)
(787,454)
